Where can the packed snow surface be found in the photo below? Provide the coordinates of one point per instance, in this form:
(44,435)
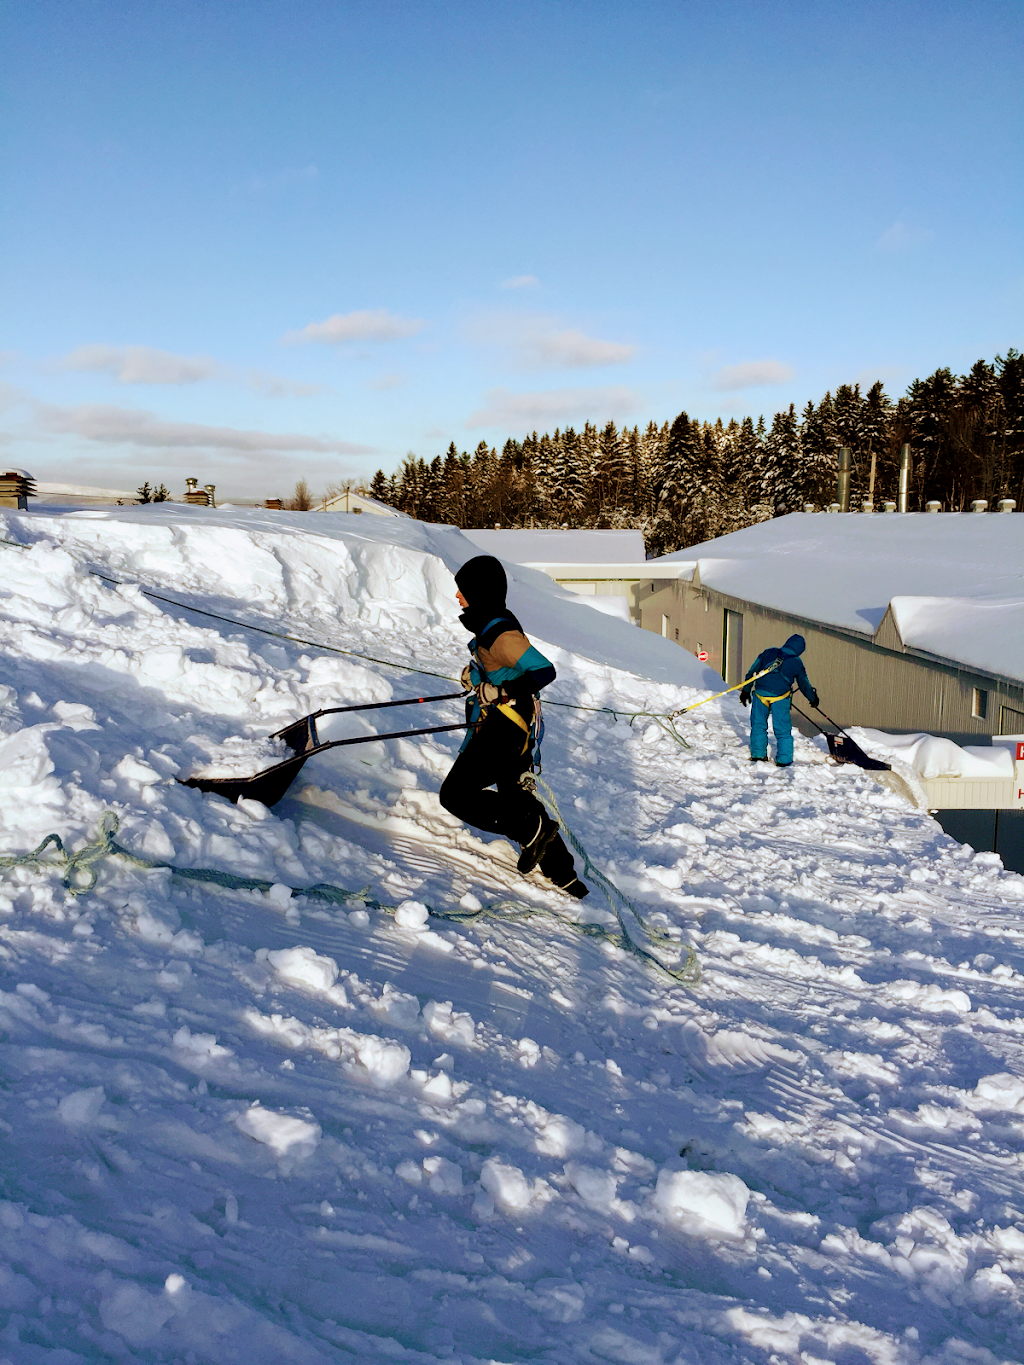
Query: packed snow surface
(250,1125)
(955,579)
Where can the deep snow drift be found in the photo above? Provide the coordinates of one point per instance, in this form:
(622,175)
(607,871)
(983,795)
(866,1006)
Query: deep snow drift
(250,1126)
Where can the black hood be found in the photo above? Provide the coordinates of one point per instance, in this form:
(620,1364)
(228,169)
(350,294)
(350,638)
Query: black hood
(483,584)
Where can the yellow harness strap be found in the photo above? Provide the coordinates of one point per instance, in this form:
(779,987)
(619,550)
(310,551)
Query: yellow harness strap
(507,709)
(768,700)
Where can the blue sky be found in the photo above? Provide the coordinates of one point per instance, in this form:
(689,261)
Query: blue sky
(258,241)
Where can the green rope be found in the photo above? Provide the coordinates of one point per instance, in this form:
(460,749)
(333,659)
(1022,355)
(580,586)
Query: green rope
(76,866)
(632,933)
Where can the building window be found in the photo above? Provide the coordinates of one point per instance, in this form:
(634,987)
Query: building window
(664,625)
(677,634)
(979,703)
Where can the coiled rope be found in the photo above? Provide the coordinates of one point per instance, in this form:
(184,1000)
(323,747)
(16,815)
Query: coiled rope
(78,875)
(634,927)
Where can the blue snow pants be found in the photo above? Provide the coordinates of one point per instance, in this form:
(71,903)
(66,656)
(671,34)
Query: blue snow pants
(781,724)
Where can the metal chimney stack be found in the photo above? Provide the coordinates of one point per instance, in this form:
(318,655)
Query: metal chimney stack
(904,493)
(843,479)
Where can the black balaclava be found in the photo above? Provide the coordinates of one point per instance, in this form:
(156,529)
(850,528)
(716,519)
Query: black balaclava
(483,584)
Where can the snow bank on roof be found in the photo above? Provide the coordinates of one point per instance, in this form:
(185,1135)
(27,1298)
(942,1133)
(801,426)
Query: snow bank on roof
(844,571)
(985,631)
(331,564)
(562,547)
(932,757)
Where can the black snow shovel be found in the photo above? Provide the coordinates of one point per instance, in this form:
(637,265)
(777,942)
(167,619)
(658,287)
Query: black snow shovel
(843,747)
(301,736)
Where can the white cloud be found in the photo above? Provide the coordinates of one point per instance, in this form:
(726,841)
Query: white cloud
(366,324)
(552,407)
(751,374)
(538,341)
(142,364)
(275,386)
(106,425)
(571,349)
(520,282)
(383,382)
(902,237)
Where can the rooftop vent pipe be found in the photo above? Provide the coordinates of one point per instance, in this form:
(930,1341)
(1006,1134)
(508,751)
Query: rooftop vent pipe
(843,478)
(867,506)
(933,507)
(904,493)
(1007,504)
(979,505)
(888,507)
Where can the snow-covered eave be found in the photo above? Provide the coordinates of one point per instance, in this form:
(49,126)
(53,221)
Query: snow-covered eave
(890,636)
(590,572)
(886,637)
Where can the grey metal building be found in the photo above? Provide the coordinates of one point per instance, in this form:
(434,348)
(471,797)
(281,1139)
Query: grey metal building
(913,623)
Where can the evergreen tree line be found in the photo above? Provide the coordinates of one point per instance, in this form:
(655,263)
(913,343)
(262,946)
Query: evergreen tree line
(688,481)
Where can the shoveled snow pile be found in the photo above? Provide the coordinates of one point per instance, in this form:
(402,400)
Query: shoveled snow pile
(252,1125)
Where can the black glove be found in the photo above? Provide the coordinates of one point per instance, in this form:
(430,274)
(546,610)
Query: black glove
(745,697)
(814,701)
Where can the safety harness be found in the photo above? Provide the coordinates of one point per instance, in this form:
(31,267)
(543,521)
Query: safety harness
(533,731)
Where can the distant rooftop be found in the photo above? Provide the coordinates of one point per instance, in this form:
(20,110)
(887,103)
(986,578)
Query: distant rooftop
(540,548)
(955,580)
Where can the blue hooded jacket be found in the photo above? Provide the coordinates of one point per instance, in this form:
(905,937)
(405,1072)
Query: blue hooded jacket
(788,669)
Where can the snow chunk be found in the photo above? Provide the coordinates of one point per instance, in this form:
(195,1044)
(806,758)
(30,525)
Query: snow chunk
(452,1027)
(509,1187)
(929,999)
(282,1133)
(412,915)
(82,1106)
(1001,1091)
(444,1177)
(202,1044)
(304,967)
(702,1203)
(596,1188)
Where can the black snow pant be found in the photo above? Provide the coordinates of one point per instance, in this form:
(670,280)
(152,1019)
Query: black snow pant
(494,757)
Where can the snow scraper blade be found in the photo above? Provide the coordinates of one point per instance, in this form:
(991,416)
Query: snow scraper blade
(846,750)
(301,736)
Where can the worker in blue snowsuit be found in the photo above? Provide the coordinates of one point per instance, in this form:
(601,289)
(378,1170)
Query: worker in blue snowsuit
(769,696)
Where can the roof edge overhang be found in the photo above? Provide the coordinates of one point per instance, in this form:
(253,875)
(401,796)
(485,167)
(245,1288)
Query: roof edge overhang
(870,641)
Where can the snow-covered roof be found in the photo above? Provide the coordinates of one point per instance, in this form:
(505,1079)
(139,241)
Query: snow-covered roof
(81,490)
(358,502)
(955,580)
(543,547)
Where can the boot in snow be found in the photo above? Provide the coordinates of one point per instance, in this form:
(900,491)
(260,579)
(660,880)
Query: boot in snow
(534,850)
(576,888)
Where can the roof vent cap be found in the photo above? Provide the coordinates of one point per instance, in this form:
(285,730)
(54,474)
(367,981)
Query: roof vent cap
(979,505)
(933,507)
(888,507)
(1007,504)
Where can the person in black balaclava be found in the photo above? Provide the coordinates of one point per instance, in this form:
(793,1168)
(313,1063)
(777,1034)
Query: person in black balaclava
(506,673)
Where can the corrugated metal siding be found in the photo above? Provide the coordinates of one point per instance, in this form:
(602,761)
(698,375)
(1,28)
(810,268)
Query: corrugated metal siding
(860,682)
